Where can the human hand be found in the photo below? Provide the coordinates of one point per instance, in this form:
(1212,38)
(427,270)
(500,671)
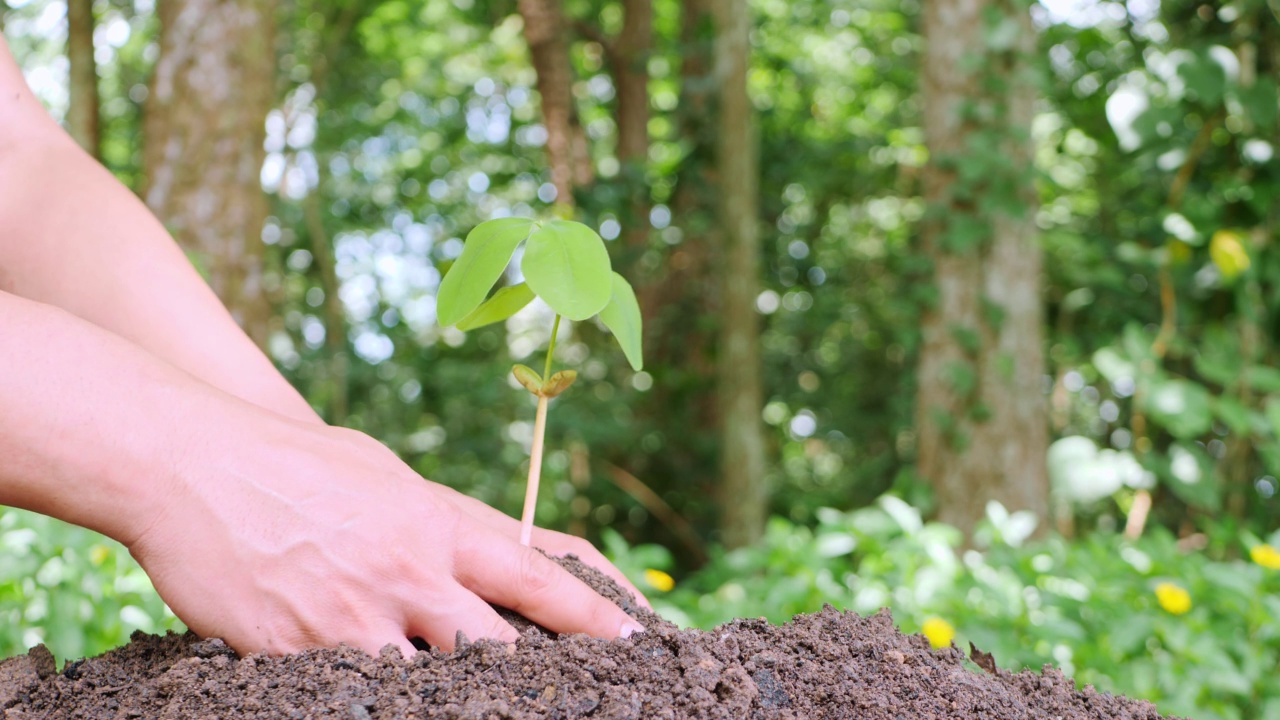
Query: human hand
(279,536)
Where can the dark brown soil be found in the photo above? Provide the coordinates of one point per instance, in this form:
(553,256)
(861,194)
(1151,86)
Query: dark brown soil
(826,665)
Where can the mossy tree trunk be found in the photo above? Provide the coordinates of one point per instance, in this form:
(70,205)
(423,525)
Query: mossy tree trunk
(209,97)
(745,500)
(547,35)
(981,412)
(82,113)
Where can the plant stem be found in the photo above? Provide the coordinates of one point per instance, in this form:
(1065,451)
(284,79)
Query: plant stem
(535,455)
(551,350)
(535,473)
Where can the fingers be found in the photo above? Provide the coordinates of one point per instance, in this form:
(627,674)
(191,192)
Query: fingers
(559,544)
(521,579)
(459,610)
(386,634)
(553,543)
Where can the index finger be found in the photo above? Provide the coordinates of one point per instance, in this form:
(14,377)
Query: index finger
(552,542)
(502,571)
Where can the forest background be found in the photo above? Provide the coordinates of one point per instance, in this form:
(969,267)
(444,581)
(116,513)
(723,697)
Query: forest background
(966,308)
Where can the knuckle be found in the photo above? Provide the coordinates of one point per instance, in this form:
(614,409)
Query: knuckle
(578,546)
(535,574)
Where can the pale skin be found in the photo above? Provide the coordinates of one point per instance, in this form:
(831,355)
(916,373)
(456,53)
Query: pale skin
(134,405)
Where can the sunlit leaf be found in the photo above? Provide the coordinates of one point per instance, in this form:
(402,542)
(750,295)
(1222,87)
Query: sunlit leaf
(1181,407)
(1188,472)
(485,255)
(1228,253)
(566,264)
(506,302)
(622,317)
(1260,102)
(1263,378)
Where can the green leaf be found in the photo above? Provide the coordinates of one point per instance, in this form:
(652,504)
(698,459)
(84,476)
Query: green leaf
(1204,77)
(566,264)
(1181,407)
(1263,378)
(1236,416)
(506,302)
(1272,410)
(1113,365)
(1188,472)
(485,255)
(1261,103)
(622,317)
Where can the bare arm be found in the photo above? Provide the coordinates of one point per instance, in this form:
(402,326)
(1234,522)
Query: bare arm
(73,237)
(273,533)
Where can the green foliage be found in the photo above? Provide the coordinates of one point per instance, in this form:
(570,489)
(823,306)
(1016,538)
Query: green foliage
(485,255)
(567,265)
(71,589)
(1088,606)
(622,317)
(506,302)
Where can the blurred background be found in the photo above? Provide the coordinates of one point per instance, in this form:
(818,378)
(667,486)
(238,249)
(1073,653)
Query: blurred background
(968,310)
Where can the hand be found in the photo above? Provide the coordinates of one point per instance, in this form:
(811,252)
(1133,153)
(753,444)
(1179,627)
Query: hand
(551,542)
(281,535)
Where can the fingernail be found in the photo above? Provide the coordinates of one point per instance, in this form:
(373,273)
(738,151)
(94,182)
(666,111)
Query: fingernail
(630,628)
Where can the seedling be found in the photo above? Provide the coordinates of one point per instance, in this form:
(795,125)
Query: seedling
(565,263)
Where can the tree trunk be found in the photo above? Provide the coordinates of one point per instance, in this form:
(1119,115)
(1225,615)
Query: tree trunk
(981,412)
(630,60)
(82,113)
(212,89)
(546,33)
(746,494)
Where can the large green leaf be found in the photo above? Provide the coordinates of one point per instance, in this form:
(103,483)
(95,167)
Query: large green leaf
(1260,102)
(622,317)
(506,302)
(1263,378)
(1182,407)
(485,255)
(1188,472)
(567,265)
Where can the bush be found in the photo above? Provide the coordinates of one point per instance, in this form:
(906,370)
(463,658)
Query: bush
(1195,631)
(71,589)
(1196,634)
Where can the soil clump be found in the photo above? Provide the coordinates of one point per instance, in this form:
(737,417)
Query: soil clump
(829,664)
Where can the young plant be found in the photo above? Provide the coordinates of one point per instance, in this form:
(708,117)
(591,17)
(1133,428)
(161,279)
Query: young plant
(566,264)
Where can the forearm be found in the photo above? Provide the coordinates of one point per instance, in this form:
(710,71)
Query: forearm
(93,430)
(73,237)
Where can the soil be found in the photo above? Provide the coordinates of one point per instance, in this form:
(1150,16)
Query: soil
(829,664)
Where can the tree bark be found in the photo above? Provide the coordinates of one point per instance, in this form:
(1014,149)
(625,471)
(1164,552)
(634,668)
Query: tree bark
(746,494)
(82,113)
(212,89)
(630,60)
(981,413)
(546,33)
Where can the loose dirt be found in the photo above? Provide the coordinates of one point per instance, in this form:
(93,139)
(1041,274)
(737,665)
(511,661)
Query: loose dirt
(826,665)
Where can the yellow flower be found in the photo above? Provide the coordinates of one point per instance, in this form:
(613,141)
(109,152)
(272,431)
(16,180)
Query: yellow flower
(1266,555)
(1228,253)
(939,631)
(98,554)
(659,580)
(1173,598)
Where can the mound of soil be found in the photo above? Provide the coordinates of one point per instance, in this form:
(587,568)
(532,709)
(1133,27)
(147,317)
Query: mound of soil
(827,665)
